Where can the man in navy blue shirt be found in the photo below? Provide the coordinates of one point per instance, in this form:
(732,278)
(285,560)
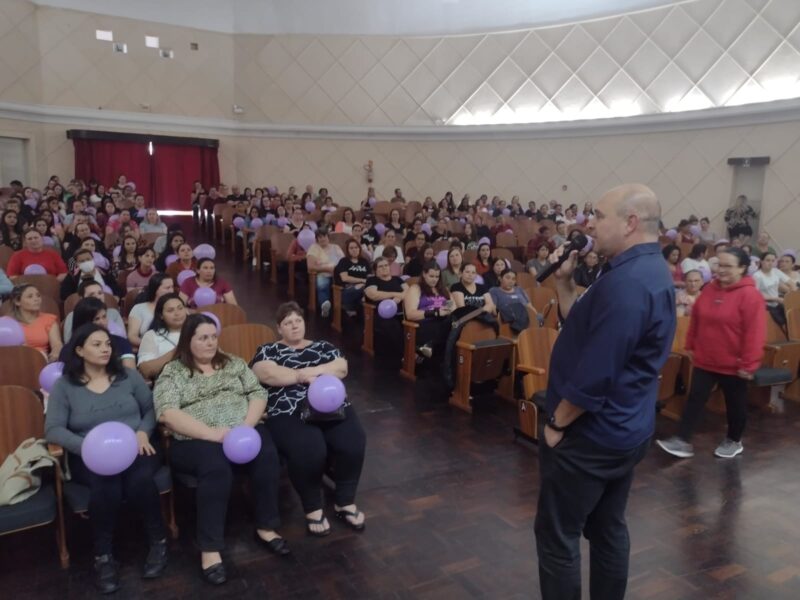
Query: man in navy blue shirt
(601,397)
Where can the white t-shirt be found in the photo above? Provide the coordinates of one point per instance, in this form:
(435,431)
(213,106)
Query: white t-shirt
(154,345)
(768,284)
(112,314)
(379,252)
(144,314)
(690,264)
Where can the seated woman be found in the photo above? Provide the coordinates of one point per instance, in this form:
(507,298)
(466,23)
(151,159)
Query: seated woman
(286,368)
(588,269)
(141,315)
(351,273)
(423,256)
(144,271)
(428,303)
(207,277)
(390,254)
(175,240)
(86,269)
(94,389)
(771,282)
(696,261)
(786,265)
(160,342)
(93,310)
(200,396)
(483,261)
(42,330)
(471,294)
(419,239)
(186,261)
(685,298)
(389,239)
(672,254)
(539,262)
(492,277)
(125,258)
(347,222)
(508,292)
(152,223)
(452,273)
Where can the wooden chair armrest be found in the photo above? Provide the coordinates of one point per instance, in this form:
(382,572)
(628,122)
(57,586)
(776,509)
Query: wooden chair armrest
(531,369)
(55,450)
(410,324)
(465,346)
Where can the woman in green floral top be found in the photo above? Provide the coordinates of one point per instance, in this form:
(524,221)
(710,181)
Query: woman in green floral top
(200,396)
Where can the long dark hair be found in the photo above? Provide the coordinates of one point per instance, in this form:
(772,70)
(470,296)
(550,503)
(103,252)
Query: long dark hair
(698,250)
(74,368)
(425,289)
(161,261)
(158,324)
(183,351)
(86,310)
(149,294)
(667,250)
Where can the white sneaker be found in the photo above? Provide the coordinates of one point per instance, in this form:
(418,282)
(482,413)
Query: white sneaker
(728,449)
(677,447)
(325,309)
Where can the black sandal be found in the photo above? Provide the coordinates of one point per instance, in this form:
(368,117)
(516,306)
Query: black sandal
(344,514)
(320,521)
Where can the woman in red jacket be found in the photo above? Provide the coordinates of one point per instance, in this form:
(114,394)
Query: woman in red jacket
(726,341)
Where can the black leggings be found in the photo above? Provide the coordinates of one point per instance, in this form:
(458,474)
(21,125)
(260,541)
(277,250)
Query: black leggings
(106,493)
(214,472)
(735,390)
(307,448)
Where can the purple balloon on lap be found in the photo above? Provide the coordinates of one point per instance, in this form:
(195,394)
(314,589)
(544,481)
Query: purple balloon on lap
(256,224)
(387,308)
(109,448)
(35,269)
(242,444)
(204,296)
(326,393)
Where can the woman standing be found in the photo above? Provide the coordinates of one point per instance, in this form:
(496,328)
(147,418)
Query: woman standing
(286,368)
(739,218)
(95,389)
(207,277)
(200,396)
(726,342)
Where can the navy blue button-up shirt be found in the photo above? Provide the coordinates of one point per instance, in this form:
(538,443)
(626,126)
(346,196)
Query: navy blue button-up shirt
(615,340)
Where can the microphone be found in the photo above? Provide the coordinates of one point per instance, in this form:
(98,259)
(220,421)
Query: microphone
(578,243)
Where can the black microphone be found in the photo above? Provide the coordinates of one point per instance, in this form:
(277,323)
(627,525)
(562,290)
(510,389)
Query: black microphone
(578,243)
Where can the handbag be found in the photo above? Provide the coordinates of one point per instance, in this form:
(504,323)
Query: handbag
(309,414)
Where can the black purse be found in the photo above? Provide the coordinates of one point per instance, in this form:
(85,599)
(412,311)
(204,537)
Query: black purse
(308,414)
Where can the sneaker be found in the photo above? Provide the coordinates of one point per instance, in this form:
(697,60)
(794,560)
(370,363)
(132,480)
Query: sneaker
(106,574)
(728,449)
(425,351)
(325,309)
(255,261)
(677,447)
(351,313)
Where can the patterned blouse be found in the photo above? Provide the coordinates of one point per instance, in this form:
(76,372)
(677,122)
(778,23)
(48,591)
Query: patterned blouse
(218,400)
(286,400)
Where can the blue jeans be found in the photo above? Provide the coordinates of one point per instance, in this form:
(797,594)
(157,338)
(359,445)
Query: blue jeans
(323,288)
(351,297)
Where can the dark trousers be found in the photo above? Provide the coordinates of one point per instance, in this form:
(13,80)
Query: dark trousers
(214,472)
(307,448)
(106,494)
(733,388)
(351,297)
(584,489)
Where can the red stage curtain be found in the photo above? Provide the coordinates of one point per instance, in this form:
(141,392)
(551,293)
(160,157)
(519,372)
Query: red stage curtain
(105,160)
(176,168)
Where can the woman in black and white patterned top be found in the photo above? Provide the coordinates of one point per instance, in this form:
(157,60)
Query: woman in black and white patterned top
(286,368)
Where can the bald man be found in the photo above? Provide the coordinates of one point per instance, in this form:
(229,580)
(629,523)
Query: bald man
(601,397)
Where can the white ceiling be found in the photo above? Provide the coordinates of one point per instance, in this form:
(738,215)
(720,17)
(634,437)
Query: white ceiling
(362,17)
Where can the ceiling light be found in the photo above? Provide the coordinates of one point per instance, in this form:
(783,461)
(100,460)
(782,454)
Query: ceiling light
(105,36)
(151,41)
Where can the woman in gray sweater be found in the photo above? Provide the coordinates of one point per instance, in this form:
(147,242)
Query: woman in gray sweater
(95,389)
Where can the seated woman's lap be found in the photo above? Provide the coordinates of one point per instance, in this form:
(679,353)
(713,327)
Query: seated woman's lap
(143,467)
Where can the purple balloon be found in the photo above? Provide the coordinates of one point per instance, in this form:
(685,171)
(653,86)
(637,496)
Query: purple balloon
(171,259)
(256,223)
(272,190)
(184,275)
(107,290)
(695,230)
(306,238)
(35,269)
(113,218)
(671,234)
(426,228)
(205,251)
(205,296)
(405,277)
(116,328)
(49,375)
(479,279)
(380,228)
(214,318)
(326,393)
(242,444)
(387,308)
(238,222)
(141,213)
(705,272)
(11,332)
(312,226)
(506,212)
(588,247)
(30,202)
(484,240)
(100,261)
(441,259)
(281,222)
(372,201)
(109,448)
(116,251)
(310,206)
(269,219)
(48,241)
(580,218)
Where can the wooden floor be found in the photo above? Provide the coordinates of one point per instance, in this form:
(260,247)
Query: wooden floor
(450,502)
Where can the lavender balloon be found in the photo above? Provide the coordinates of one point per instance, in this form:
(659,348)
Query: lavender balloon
(100,261)
(204,296)
(238,222)
(35,269)
(11,332)
(387,308)
(256,223)
(214,318)
(141,213)
(484,240)
(113,218)
(372,201)
(48,241)
(306,238)
(705,272)
(506,212)
(671,234)
(184,275)
(49,375)
(107,290)
(380,228)
(171,259)
(205,251)
(441,259)
(326,393)
(109,448)
(479,279)
(242,444)
(580,219)
(312,226)
(310,206)
(426,228)
(116,328)
(116,251)
(281,222)
(695,230)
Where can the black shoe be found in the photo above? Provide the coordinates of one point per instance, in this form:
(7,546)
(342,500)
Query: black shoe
(106,574)
(156,560)
(276,545)
(215,574)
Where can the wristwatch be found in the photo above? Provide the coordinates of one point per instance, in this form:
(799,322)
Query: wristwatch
(551,423)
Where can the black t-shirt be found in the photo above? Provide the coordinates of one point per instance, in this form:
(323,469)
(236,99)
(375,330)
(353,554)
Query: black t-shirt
(370,237)
(471,300)
(395,284)
(358,269)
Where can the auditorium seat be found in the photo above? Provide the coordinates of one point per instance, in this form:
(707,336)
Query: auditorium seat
(47,285)
(243,340)
(228,314)
(21,365)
